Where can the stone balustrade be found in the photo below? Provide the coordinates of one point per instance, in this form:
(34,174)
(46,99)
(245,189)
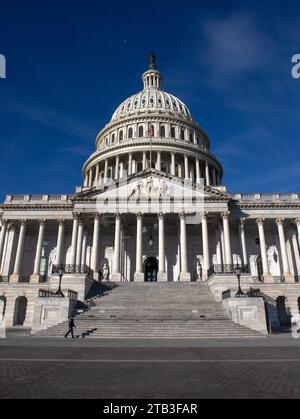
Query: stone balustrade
(37,198)
(267,196)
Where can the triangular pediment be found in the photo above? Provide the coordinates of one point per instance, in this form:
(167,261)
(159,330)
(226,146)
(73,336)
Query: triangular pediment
(151,184)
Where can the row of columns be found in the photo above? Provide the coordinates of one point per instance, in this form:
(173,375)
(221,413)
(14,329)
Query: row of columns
(79,243)
(210,174)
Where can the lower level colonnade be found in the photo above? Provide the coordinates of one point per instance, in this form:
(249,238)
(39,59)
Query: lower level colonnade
(214,234)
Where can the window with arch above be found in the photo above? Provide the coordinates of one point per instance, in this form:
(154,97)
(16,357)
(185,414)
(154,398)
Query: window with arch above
(164,167)
(139,166)
(130,132)
(172,132)
(191,137)
(162,131)
(121,136)
(141,131)
(182,134)
(113,138)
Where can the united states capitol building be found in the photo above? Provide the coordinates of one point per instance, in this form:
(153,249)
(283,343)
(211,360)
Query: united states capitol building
(152,216)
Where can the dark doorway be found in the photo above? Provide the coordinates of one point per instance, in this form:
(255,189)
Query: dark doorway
(150,269)
(20,311)
(282,312)
(259,268)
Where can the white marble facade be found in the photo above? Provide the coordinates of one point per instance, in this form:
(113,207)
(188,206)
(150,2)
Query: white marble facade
(151,136)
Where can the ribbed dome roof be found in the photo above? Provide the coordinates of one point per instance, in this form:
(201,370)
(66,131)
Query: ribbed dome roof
(152,98)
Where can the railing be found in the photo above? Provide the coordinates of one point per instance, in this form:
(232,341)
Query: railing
(4,278)
(73,295)
(279,279)
(227,269)
(49,294)
(254,293)
(267,196)
(226,294)
(37,198)
(72,269)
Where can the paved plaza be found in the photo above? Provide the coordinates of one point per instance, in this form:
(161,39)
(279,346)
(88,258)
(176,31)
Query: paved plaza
(32,367)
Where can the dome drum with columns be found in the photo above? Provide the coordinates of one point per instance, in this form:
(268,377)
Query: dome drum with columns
(154,144)
(179,146)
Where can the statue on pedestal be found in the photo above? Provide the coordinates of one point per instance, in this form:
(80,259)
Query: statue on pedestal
(105,272)
(198,270)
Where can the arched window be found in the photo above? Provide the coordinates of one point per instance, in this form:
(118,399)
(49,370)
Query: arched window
(164,167)
(139,166)
(141,131)
(172,132)
(162,131)
(130,133)
(121,136)
(113,138)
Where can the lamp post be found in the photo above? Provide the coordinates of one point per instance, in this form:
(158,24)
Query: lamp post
(61,271)
(238,272)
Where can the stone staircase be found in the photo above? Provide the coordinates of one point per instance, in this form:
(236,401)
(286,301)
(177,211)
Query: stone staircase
(152,310)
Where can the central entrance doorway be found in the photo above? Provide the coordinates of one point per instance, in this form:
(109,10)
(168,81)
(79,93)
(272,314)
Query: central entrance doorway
(150,269)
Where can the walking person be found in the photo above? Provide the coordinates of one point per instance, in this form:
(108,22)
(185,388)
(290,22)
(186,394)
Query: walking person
(71,325)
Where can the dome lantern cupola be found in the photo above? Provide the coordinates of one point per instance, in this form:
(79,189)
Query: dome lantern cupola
(152,78)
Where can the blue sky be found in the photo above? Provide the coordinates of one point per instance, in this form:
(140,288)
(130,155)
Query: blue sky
(70,64)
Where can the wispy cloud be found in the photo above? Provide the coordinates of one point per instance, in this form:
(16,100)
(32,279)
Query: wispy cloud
(235,46)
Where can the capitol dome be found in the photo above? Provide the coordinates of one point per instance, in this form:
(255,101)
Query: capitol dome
(179,147)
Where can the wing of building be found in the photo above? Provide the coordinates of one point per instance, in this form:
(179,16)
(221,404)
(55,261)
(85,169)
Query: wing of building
(152,208)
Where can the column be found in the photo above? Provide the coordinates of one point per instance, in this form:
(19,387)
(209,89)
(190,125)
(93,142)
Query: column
(144,161)
(207,178)
(74,241)
(86,180)
(96,182)
(129,164)
(285,261)
(35,277)
(218,245)
(186,167)
(173,165)
(79,243)
(162,274)
(139,275)
(2,238)
(205,246)
(20,249)
(90,178)
(198,173)
(117,164)
(95,249)
(60,239)
(116,275)
(158,161)
(84,246)
(228,254)
(297,221)
(263,251)
(243,242)
(184,274)
(105,180)
(6,266)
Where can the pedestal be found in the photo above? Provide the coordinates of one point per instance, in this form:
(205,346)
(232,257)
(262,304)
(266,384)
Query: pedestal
(185,277)
(14,279)
(268,279)
(162,277)
(34,279)
(139,277)
(289,278)
(116,277)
